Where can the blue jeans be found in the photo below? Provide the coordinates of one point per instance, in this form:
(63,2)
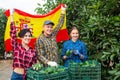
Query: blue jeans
(16,76)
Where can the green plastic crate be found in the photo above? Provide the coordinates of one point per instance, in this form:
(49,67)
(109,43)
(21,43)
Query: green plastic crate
(77,72)
(31,74)
(59,76)
(36,75)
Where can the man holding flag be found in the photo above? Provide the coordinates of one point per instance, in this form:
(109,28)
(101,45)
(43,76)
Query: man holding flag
(46,45)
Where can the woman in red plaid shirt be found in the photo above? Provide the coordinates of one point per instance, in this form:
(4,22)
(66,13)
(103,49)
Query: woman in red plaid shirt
(24,55)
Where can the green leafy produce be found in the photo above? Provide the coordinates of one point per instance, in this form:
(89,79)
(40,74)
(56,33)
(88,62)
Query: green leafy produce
(47,70)
(50,70)
(69,52)
(85,64)
(54,70)
(89,63)
(37,66)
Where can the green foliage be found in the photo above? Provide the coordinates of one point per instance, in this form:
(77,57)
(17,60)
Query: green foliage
(46,7)
(99,25)
(37,66)
(3,21)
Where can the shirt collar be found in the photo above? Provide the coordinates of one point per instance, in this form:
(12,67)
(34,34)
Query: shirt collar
(73,42)
(25,49)
(45,36)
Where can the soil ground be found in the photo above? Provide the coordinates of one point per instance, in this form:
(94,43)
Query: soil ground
(5,69)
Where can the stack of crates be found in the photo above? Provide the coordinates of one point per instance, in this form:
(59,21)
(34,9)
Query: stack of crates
(78,72)
(36,75)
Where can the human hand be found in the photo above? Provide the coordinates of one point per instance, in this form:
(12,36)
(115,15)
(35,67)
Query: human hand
(65,57)
(52,63)
(63,8)
(81,56)
(11,11)
(11,14)
(76,52)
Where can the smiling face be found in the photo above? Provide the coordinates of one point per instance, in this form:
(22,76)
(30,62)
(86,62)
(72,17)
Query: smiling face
(26,38)
(74,34)
(48,29)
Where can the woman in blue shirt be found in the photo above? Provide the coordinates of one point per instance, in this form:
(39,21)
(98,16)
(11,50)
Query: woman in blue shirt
(74,49)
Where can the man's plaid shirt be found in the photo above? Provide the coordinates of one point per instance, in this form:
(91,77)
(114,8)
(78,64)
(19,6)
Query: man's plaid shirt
(47,47)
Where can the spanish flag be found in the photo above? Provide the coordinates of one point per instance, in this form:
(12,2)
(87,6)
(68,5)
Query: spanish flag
(34,23)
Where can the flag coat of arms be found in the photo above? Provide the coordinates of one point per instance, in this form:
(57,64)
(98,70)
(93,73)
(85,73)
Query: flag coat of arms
(34,23)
